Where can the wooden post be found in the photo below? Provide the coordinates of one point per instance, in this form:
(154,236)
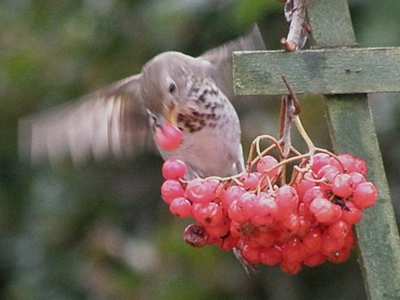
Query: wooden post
(345,76)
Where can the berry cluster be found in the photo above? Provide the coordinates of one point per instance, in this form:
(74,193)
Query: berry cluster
(306,221)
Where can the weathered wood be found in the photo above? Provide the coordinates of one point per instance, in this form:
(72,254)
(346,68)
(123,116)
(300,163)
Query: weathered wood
(322,71)
(352,130)
(339,71)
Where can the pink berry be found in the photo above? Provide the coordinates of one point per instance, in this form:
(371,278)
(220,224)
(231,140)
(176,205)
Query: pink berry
(320,160)
(290,268)
(322,209)
(315,259)
(331,245)
(287,200)
(271,256)
(294,251)
(365,195)
(221,229)
(169,137)
(340,256)
(181,207)
(252,254)
(207,214)
(342,185)
(199,190)
(352,214)
(266,210)
(173,168)
(171,189)
(247,205)
(266,238)
(232,193)
(360,166)
(312,193)
(312,241)
(356,179)
(250,180)
(291,223)
(346,160)
(266,163)
(328,172)
(304,186)
(338,230)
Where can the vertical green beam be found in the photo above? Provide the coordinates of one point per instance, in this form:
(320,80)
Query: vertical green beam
(352,130)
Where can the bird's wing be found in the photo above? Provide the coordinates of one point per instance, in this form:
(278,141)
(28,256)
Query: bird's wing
(221,58)
(108,123)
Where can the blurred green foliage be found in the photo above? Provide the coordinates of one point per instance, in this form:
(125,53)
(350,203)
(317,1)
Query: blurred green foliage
(102,232)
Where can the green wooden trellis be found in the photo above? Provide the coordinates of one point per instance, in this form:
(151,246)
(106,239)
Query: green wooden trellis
(344,75)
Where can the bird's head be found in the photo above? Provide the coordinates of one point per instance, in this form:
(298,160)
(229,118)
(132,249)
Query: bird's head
(166,82)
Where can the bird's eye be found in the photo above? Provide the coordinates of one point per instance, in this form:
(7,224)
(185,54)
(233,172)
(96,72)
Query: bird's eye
(172,87)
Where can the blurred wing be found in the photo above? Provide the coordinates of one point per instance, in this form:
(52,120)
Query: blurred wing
(221,58)
(108,123)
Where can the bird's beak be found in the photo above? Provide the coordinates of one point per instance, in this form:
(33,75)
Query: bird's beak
(171,113)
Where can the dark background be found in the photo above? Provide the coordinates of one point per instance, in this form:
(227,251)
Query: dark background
(102,232)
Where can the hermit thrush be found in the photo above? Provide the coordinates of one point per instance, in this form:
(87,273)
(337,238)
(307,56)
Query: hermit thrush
(191,93)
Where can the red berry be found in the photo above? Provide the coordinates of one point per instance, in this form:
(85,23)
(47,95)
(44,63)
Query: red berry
(291,223)
(171,189)
(207,213)
(320,160)
(342,185)
(337,214)
(266,163)
(236,228)
(349,240)
(311,194)
(235,214)
(247,205)
(218,230)
(305,225)
(347,161)
(266,210)
(340,256)
(365,195)
(228,242)
(199,190)
(352,214)
(312,241)
(232,193)
(252,254)
(265,239)
(356,179)
(271,256)
(173,168)
(290,268)
(338,230)
(293,251)
(250,180)
(304,186)
(322,209)
(315,259)
(328,172)
(287,200)
(360,166)
(181,207)
(168,137)
(331,245)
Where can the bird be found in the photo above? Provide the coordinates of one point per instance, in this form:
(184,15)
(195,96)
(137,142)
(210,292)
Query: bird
(192,93)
